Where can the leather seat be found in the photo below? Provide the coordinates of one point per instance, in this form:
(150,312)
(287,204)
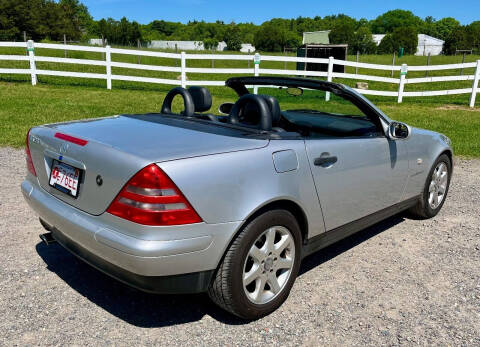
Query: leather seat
(202,100)
(274,108)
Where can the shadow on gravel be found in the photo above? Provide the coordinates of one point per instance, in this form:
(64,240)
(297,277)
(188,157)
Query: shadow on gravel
(150,310)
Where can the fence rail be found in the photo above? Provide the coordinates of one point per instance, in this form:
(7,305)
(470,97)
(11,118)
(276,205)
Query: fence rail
(255,70)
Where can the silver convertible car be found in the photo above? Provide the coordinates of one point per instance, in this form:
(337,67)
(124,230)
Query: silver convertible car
(192,202)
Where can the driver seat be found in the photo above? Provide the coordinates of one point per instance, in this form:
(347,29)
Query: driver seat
(202,100)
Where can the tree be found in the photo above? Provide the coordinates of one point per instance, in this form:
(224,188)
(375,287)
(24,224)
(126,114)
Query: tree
(274,38)
(210,44)
(387,45)
(444,27)
(232,38)
(406,38)
(391,20)
(363,41)
(473,30)
(458,39)
(342,32)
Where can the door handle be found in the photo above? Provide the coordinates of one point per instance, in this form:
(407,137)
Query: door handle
(325,160)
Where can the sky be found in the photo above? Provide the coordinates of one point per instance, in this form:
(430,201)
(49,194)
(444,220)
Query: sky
(258,11)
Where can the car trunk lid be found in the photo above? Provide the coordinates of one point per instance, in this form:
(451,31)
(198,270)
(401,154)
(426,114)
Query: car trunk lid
(118,147)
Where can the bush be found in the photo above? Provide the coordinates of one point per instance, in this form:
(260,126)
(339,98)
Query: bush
(274,38)
(387,45)
(232,38)
(406,37)
(363,41)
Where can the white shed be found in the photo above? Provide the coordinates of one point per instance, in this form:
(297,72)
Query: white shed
(429,45)
(247,48)
(426,44)
(377,38)
(179,45)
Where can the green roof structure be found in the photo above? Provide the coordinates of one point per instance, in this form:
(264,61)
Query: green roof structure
(316,37)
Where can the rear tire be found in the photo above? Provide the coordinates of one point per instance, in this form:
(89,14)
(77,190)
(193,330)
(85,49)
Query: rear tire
(260,267)
(435,190)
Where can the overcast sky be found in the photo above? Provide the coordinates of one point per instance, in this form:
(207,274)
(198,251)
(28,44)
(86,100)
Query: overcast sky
(258,11)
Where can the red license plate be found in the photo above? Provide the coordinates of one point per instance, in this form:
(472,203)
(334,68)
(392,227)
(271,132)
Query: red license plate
(65,178)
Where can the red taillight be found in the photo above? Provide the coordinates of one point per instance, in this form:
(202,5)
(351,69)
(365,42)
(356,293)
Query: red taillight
(28,156)
(151,198)
(75,140)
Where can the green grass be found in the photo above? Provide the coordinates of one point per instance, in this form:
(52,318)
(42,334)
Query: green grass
(24,106)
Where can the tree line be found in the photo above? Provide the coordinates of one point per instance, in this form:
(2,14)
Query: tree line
(51,20)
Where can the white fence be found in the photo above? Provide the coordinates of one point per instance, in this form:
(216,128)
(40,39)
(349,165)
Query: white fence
(256,70)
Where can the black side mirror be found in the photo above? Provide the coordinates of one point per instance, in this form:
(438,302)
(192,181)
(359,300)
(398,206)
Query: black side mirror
(226,107)
(398,130)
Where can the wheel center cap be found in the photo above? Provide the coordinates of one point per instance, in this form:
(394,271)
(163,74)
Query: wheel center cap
(268,264)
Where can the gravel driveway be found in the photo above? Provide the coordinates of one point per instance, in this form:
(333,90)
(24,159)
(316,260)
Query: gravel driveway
(402,281)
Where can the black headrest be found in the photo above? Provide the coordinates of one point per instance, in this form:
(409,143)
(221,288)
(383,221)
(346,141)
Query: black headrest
(274,108)
(201,98)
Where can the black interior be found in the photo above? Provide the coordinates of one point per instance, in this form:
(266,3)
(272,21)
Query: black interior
(263,112)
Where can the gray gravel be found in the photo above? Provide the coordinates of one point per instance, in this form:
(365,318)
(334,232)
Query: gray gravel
(401,282)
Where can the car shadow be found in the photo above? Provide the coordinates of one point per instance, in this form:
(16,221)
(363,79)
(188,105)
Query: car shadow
(151,310)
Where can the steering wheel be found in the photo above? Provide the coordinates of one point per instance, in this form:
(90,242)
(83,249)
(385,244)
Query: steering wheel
(264,121)
(188,105)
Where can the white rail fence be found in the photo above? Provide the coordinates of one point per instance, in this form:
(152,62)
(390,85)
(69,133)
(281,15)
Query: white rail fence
(256,70)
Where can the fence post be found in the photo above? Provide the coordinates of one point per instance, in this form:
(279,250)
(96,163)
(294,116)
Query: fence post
(31,56)
(356,67)
(65,43)
(108,59)
(256,69)
(183,66)
(393,63)
(403,75)
(475,85)
(329,76)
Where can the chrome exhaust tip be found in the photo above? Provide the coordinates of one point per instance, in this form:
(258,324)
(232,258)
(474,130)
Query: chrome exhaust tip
(47,238)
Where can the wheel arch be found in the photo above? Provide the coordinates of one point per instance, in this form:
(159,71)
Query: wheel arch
(284,204)
(449,154)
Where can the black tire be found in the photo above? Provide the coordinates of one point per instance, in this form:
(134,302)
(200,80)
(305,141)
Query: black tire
(226,289)
(422,209)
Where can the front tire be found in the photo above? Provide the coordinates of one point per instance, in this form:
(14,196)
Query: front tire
(260,267)
(435,190)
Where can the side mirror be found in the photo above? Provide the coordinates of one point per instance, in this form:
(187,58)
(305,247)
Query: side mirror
(226,107)
(398,130)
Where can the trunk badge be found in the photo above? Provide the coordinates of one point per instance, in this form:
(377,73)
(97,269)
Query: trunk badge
(64,148)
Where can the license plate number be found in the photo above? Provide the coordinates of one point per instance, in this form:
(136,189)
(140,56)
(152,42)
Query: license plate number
(65,178)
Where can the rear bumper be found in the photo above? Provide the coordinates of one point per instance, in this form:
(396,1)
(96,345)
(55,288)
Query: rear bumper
(196,282)
(157,259)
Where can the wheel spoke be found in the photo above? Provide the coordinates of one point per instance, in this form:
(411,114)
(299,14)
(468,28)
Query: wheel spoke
(270,242)
(273,282)
(284,263)
(431,188)
(256,253)
(441,189)
(444,178)
(252,275)
(259,288)
(284,242)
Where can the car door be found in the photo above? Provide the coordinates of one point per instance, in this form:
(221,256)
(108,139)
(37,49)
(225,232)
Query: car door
(357,170)
(355,177)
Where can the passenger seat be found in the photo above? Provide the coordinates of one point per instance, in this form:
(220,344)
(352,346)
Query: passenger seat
(203,102)
(275,110)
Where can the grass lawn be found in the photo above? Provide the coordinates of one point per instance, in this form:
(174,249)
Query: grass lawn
(24,106)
